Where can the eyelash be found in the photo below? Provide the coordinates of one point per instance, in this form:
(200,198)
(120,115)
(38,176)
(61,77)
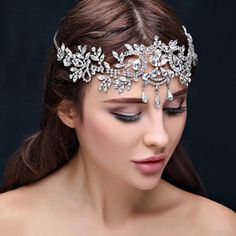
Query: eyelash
(169,111)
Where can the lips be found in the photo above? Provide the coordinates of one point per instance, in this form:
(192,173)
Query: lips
(150,165)
(151,159)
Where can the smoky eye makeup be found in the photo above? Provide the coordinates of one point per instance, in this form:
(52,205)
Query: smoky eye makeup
(127,118)
(170,112)
(176,102)
(126,109)
(126,113)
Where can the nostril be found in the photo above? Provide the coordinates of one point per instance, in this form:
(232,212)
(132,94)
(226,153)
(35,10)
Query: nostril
(156,137)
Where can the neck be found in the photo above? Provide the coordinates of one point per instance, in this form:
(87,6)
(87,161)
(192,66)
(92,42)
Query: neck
(110,199)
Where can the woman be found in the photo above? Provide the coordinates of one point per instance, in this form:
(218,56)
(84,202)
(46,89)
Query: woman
(107,160)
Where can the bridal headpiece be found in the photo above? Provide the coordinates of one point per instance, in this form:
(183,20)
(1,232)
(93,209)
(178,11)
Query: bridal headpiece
(167,60)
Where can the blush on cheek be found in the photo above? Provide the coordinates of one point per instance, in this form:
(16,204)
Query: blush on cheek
(101,135)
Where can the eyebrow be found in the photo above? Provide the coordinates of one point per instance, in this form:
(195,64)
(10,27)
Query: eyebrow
(139,100)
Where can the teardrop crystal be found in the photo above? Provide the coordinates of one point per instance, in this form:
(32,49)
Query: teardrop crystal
(136,64)
(154,61)
(157,100)
(146,76)
(144,97)
(169,95)
(154,73)
(163,72)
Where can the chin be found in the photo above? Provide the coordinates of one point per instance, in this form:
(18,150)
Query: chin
(148,182)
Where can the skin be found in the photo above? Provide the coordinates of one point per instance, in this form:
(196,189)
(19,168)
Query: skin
(100,192)
(108,146)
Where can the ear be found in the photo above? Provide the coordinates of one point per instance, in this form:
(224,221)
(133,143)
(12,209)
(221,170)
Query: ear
(66,111)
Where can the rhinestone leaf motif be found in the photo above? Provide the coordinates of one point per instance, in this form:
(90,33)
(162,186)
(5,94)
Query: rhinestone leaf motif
(168,61)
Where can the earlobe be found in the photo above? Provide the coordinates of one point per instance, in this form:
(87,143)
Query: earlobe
(67,113)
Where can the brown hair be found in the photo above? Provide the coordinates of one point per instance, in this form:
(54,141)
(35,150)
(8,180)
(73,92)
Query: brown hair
(102,23)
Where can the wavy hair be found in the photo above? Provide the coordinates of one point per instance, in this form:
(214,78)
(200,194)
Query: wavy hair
(102,23)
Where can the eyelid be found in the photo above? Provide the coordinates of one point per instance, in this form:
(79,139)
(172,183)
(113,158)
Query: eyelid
(133,111)
(178,101)
(133,114)
(125,110)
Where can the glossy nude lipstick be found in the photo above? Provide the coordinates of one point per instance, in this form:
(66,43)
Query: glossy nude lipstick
(151,164)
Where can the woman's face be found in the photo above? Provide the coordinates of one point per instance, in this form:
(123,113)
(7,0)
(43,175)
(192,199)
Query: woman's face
(110,142)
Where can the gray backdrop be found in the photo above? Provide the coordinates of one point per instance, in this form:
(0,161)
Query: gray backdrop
(27,32)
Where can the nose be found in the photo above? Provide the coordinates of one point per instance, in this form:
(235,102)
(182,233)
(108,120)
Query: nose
(156,135)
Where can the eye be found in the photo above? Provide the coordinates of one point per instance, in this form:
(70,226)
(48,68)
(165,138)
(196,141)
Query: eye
(175,111)
(125,118)
(170,112)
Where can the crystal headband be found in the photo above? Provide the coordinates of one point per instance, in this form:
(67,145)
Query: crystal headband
(168,61)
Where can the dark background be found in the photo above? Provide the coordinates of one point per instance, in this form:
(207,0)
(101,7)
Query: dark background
(27,33)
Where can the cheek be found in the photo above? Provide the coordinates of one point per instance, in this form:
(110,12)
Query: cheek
(176,128)
(103,136)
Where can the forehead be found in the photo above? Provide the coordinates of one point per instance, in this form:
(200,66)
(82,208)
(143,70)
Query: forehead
(95,97)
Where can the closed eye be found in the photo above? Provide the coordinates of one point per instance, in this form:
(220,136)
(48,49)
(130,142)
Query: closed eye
(169,111)
(126,118)
(172,111)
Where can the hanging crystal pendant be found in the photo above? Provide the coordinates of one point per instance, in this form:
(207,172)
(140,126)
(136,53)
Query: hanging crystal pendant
(144,97)
(169,95)
(157,97)
(157,100)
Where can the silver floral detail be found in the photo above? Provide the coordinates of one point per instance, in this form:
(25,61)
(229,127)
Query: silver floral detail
(168,61)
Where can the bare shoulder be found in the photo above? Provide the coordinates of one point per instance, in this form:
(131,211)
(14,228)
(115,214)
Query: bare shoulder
(13,208)
(215,218)
(204,216)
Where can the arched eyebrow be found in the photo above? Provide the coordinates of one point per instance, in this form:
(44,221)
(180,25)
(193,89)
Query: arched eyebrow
(139,100)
